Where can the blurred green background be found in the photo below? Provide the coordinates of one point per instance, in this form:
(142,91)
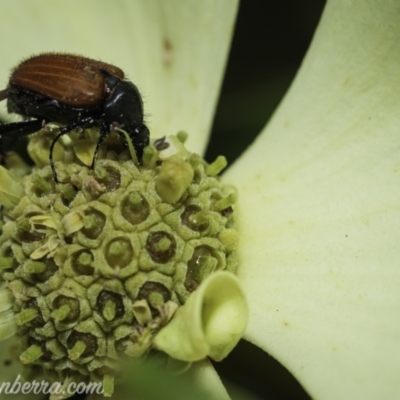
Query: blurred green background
(269,43)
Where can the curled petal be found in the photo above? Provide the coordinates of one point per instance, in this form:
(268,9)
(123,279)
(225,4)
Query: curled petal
(209,324)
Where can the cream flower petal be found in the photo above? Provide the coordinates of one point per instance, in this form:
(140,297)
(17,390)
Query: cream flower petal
(204,375)
(175,51)
(210,323)
(320,215)
(201,374)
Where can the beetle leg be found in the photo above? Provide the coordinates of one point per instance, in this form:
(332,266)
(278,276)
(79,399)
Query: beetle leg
(84,122)
(103,133)
(62,132)
(23,128)
(140,139)
(15,130)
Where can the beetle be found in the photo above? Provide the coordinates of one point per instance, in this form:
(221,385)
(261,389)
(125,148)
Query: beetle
(77,93)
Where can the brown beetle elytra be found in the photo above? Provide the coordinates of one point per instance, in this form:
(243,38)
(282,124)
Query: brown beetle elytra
(77,92)
(72,80)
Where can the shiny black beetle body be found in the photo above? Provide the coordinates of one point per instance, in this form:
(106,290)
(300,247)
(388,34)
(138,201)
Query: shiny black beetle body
(77,92)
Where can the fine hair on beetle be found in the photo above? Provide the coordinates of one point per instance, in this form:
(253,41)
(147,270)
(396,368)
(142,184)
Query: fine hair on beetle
(77,93)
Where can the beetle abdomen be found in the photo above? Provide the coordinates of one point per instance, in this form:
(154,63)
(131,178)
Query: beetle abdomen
(71,80)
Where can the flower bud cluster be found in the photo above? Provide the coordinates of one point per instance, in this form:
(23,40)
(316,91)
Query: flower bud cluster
(98,265)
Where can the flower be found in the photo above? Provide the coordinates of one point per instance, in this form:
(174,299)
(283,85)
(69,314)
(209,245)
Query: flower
(318,189)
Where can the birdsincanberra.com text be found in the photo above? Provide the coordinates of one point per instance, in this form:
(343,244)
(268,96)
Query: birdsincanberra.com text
(52,388)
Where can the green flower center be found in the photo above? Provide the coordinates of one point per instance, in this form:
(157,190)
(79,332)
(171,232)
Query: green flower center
(95,264)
